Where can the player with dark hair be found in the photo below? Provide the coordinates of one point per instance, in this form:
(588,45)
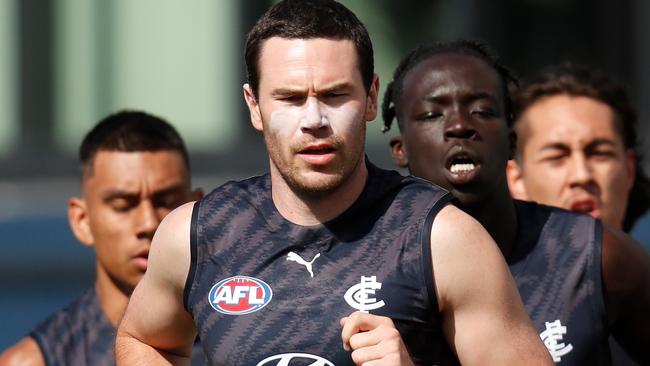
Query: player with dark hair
(578,148)
(580,280)
(577,129)
(269,270)
(134,170)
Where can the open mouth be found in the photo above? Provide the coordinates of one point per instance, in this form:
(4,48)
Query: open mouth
(318,150)
(461,169)
(585,206)
(461,164)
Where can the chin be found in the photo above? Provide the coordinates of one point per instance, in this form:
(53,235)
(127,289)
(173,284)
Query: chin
(317,186)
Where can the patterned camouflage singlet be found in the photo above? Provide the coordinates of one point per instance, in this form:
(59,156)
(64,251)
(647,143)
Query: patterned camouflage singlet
(264,291)
(82,335)
(556,264)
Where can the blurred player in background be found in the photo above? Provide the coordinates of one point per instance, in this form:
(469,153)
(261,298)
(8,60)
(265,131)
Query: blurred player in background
(134,171)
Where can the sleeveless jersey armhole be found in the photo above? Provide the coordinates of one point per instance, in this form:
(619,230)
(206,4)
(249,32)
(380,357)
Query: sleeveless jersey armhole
(194,227)
(597,274)
(45,352)
(426,259)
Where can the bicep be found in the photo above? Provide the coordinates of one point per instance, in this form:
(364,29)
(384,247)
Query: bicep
(477,295)
(156,315)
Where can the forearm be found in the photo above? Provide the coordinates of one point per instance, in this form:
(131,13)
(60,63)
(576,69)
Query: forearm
(133,352)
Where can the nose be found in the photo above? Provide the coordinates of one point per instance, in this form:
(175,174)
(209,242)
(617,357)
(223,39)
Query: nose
(313,116)
(457,126)
(580,174)
(146,220)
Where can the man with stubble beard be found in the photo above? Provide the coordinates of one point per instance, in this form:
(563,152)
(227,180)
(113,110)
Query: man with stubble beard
(270,270)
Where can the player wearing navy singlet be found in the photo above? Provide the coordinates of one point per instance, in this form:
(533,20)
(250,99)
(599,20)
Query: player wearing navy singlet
(578,149)
(379,237)
(270,270)
(580,280)
(134,171)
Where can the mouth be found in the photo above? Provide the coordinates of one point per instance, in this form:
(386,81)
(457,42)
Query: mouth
(141,260)
(461,168)
(318,154)
(586,206)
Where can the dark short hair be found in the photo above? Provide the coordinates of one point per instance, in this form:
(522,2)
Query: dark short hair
(421,53)
(130,131)
(308,19)
(583,81)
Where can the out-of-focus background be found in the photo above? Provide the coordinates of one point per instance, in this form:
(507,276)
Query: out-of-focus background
(65,64)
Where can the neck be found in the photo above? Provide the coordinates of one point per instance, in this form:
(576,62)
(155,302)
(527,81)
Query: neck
(307,210)
(112,298)
(498,216)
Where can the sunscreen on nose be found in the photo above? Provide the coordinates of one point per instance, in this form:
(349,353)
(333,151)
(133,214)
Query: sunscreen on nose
(312,116)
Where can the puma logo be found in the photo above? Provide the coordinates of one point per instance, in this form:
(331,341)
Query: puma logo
(296,258)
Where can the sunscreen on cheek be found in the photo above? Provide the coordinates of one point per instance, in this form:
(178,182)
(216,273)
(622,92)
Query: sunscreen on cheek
(344,119)
(284,122)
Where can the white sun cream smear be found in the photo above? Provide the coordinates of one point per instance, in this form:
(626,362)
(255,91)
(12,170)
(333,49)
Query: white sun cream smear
(313,115)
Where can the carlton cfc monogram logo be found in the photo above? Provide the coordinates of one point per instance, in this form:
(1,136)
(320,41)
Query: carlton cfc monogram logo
(239,295)
(358,296)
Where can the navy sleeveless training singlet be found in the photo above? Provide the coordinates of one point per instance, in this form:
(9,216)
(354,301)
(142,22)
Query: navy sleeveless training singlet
(556,264)
(82,335)
(265,291)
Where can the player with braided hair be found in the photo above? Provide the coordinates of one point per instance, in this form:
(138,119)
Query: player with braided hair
(580,279)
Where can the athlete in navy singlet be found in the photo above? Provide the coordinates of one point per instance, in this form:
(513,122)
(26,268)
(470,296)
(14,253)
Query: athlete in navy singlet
(579,280)
(326,259)
(579,149)
(134,171)
(379,238)
(80,334)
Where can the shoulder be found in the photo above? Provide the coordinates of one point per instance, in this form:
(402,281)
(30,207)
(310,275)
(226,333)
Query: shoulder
(81,310)
(24,353)
(455,235)
(169,256)
(249,187)
(579,228)
(625,263)
(421,194)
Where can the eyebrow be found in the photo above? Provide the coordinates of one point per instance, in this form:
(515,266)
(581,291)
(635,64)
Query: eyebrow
(116,193)
(335,87)
(300,90)
(554,146)
(592,144)
(287,91)
(441,98)
(600,141)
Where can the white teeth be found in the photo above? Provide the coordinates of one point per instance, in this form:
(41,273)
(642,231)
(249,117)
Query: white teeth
(457,168)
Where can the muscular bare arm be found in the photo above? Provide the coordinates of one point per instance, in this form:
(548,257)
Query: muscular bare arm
(483,317)
(156,328)
(24,353)
(626,285)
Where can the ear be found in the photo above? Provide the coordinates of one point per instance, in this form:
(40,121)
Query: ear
(398,151)
(514,174)
(630,160)
(371,103)
(79,221)
(253,107)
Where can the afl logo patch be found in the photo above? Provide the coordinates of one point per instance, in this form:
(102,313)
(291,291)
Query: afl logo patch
(239,295)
